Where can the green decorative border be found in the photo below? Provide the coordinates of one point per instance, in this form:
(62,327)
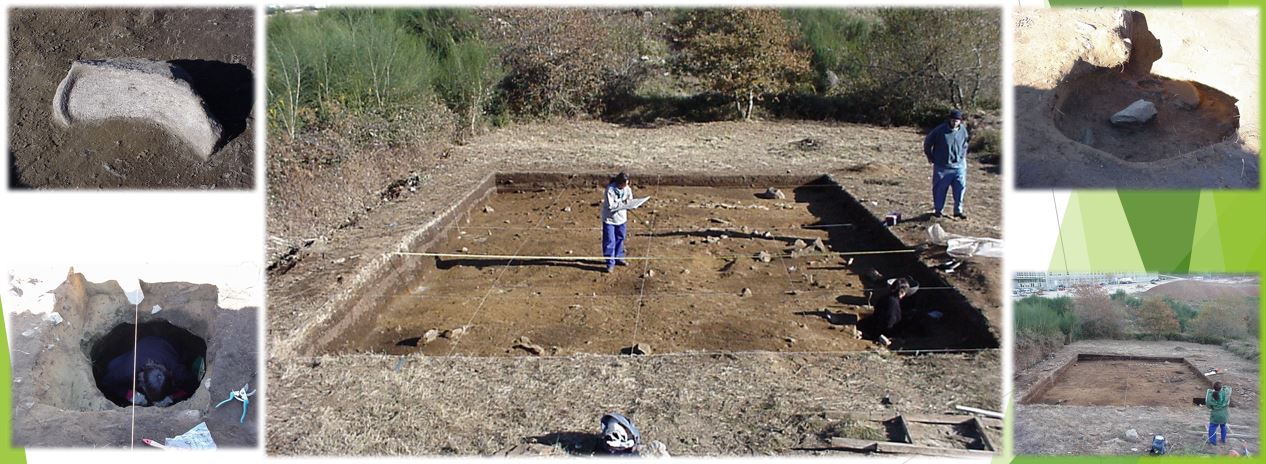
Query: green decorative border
(7,452)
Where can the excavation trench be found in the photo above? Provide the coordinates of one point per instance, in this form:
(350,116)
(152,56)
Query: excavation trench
(1114,380)
(1188,115)
(706,287)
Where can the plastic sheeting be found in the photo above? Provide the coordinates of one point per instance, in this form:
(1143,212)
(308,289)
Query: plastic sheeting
(961,246)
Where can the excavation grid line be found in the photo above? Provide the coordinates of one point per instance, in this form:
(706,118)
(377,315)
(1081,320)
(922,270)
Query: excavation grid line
(516,257)
(501,271)
(641,292)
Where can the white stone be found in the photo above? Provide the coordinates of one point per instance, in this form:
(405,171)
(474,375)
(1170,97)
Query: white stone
(129,88)
(1139,112)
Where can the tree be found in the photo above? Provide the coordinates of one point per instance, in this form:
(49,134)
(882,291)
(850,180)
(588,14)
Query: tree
(1098,315)
(950,54)
(1220,320)
(1157,317)
(744,53)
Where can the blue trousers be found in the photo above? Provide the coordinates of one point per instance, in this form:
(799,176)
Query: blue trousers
(1213,428)
(948,178)
(613,242)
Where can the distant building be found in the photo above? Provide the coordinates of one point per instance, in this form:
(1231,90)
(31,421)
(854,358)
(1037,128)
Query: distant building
(1053,280)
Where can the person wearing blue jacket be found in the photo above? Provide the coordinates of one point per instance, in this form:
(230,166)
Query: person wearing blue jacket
(946,148)
(161,378)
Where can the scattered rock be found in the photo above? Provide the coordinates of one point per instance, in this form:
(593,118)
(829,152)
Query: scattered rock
(454,333)
(772,194)
(430,336)
(1183,95)
(465,250)
(649,273)
(764,257)
(746,292)
(790,340)
(1138,113)
(488,209)
(56,318)
(820,246)
(799,244)
(718,221)
(1132,435)
(567,209)
(525,344)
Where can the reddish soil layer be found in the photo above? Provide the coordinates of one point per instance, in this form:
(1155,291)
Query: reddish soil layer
(1125,383)
(806,303)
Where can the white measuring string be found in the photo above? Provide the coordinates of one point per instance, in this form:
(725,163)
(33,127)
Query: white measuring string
(642,258)
(501,271)
(641,292)
(136,328)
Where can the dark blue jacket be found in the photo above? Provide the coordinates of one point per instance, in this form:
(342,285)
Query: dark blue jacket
(118,377)
(947,148)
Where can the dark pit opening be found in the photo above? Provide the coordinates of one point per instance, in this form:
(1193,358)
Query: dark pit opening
(1188,115)
(186,361)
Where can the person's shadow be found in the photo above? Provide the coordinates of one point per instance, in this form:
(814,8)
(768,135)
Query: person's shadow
(575,443)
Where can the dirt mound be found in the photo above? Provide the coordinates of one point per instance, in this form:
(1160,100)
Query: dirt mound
(1076,69)
(1191,290)
(57,402)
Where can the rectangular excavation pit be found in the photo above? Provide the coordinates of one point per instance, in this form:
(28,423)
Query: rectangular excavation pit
(936,435)
(1118,380)
(705,233)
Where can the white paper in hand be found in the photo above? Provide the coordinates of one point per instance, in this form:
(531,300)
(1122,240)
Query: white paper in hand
(636,202)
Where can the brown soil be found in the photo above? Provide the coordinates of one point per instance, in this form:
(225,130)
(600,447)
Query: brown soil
(1190,290)
(1091,100)
(125,153)
(1125,383)
(325,243)
(796,304)
(1065,429)
(1075,68)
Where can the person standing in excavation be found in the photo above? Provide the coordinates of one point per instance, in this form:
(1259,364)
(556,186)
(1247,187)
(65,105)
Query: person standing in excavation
(615,205)
(946,148)
(1217,399)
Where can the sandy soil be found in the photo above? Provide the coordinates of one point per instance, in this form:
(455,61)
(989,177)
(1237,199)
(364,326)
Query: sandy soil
(1125,383)
(1071,71)
(125,153)
(320,250)
(1101,430)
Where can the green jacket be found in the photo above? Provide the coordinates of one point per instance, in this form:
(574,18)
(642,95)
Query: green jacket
(1217,409)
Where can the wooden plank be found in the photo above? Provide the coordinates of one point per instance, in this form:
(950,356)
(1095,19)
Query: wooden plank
(984,437)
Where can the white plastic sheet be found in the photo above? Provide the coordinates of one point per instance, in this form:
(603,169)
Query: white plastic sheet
(960,246)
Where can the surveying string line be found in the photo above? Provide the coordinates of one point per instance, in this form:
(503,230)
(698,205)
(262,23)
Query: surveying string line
(628,295)
(686,354)
(803,227)
(641,258)
(136,328)
(641,292)
(500,272)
